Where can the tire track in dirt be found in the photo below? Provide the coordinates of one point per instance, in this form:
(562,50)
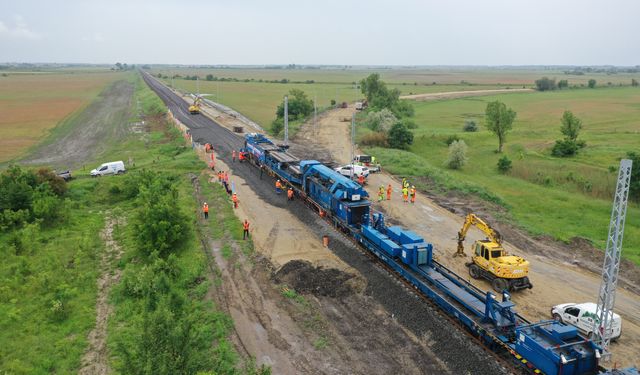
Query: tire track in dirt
(96,360)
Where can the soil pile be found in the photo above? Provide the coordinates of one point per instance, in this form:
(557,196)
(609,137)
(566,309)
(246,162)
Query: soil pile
(308,279)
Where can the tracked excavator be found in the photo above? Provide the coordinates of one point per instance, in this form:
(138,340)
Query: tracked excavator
(194,108)
(491,261)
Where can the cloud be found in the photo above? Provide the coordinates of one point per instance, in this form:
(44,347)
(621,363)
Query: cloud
(95,37)
(19,30)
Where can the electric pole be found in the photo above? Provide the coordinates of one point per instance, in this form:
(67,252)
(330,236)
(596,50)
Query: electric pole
(315,114)
(286,120)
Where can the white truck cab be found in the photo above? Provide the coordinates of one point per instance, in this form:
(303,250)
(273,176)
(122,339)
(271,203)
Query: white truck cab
(114,167)
(583,316)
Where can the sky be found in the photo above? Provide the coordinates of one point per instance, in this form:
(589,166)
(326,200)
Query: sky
(328,32)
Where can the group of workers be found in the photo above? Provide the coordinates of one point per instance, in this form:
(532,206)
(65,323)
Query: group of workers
(242,156)
(407,191)
(280,187)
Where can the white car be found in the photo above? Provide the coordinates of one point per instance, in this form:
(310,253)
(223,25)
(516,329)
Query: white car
(358,170)
(114,167)
(582,316)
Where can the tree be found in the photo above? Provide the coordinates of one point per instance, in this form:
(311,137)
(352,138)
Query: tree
(300,105)
(470,126)
(571,126)
(209,77)
(380,97)
(457,155)
(399,136)
(592,83)
(563,84)
(499,120)
(504,164)
(545,84)
(380,121)
(634,187)
(634,82)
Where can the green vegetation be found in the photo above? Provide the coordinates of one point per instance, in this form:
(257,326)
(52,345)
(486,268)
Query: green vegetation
(545,84)
(499,120)
(299,107)
(457,155)
(569,146)
(560,197)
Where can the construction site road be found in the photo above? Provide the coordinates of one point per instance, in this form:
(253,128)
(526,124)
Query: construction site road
(383,329)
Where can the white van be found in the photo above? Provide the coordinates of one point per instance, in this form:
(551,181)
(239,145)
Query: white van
(114,167)
(346,170)
(583,316)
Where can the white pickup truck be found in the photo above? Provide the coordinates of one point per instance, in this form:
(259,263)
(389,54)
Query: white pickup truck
(582,316)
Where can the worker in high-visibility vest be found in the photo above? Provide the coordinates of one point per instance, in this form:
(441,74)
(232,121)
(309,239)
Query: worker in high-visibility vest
(413,194)
(245,229)
(389,190)
(405,194)
(205,210)
(278,187)
(241,156)
(234,198)
(233,156)
(381,193)
(290,194)
(361,179)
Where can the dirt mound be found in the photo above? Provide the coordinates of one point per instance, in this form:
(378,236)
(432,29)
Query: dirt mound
(308,279)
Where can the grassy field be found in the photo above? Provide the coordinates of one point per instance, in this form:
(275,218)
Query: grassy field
(546,195)
(32,104)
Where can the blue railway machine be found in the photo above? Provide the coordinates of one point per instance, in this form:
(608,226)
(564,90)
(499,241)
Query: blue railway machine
(545,347)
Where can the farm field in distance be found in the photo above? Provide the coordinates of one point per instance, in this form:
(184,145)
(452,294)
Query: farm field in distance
(562,197)
(32,103)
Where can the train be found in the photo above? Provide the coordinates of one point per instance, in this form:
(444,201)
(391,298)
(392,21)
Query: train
(544,347)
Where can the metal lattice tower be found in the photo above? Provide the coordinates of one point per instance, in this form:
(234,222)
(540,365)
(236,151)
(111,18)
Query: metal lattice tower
(607,297)
(286,120)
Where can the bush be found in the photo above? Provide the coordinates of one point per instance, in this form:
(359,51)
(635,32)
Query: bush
(457,155)
(564,148)
(563,84)
(592,83)
(470,126)
(374,139)
(380,121)
(504,164)
(452,138)
(410,124)
(544,84)
(634,82)
(277,126)
(399,136)
(634,186)
(298,106)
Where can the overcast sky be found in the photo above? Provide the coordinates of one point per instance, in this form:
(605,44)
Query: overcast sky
(373,32)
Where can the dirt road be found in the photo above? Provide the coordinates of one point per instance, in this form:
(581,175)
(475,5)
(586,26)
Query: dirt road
(555,279)
(461,94)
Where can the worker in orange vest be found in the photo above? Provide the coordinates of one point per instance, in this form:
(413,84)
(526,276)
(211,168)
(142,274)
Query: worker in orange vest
(226,177)
(241,156)
(205,210)
(290,194)
(389,190)
(278,187)
(234,198)
(233,155)
(413,194)
(220,176)
(212,165)
(245,228)
(361,179)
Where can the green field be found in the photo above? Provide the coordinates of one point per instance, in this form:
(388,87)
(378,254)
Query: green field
(563,197)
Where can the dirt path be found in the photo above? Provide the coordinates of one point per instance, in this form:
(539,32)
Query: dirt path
(555,279)
(461,94)
(94,130)
(96,360)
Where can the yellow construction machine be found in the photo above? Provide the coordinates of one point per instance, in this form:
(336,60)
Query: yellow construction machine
(490,260)
(194,108)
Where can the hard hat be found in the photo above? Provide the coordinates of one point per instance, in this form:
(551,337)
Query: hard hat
(413,187)
(205,202)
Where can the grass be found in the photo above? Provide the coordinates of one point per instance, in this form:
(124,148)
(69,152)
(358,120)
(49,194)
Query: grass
(33,104)
(564,198)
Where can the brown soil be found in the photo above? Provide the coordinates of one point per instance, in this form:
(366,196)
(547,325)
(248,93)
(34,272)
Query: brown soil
(96,359)
(461,94)
(559,272)
(304,278)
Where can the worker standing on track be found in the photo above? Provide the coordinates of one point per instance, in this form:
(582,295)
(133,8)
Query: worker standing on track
(413,194)
(234,198)
(245,229)
(361,179)
(233,156)
(205,210)
(241,156)
(389,190)
(290,194)
(278,187)
(405,194)
(381,193)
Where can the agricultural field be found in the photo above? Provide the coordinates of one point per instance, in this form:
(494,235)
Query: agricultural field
(33,103)
(562,197)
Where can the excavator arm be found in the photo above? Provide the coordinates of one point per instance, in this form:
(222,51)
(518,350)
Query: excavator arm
(470,220)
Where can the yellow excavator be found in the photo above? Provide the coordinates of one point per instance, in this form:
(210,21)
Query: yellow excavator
(491,261)
(194,108)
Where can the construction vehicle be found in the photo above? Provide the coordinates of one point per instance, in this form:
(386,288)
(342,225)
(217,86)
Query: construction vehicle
(491,261)
(194,108)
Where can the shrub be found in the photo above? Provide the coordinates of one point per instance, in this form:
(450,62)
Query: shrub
(634,82)
(504,164)
(333,102)
(564,148)
(634,187)
(374,139)
(399,136)
(380,121)
(452,138)
(276,126)
(470,126)
(563,84)
(545,83)
(409,123)
(592,83)
(457,155)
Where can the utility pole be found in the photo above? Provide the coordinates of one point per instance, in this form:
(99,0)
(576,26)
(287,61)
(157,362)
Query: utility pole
(197,86)
(353,141)
(603,323)
(286,120)
(218,91)
(315,114)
